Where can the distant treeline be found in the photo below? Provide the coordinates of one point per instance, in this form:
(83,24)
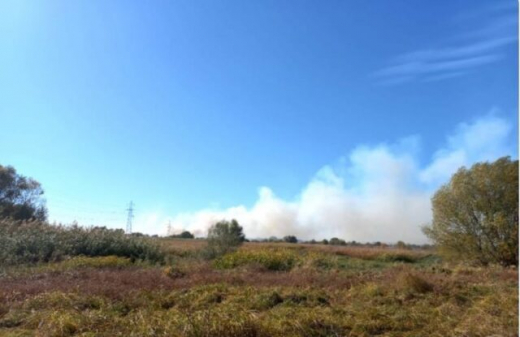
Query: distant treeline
(293,239)
(340,242)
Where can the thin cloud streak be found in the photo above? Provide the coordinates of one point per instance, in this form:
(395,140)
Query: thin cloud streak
(445,76)
(481,47)
(458,52)
(421,67)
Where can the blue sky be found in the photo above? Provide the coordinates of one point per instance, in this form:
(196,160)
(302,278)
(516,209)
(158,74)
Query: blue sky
(198,110)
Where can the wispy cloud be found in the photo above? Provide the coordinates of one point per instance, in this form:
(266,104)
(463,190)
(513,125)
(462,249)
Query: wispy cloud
(479,47)
(444,76)
(376,193)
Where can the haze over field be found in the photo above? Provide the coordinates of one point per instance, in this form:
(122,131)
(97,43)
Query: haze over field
(376,193)
(307,119)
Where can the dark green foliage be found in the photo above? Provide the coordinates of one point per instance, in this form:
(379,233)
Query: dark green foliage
(275,260)
(290,239)
(183,235)
(20,197)
(401,245)
(34,241)
(223,237)
(475,215)
(407,258)
(337,242)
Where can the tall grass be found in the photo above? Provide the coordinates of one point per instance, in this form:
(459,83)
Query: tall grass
(34,242)
(257,291)
(277,260)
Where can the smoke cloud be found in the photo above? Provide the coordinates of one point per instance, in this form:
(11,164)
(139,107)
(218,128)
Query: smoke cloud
(376,193)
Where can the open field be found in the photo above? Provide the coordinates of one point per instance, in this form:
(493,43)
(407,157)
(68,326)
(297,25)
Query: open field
(261,290)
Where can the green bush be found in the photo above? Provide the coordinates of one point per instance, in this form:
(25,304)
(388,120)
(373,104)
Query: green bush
(290,239)
(475,215)
(397,257)
(223,237)
(34,241)
(270,259)
(337,242)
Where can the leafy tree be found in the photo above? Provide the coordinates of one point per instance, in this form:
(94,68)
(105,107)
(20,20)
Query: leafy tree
(20,197)
(337,242)
(401,245)
(475,215)
(183,235)
(290,239)
(223,237)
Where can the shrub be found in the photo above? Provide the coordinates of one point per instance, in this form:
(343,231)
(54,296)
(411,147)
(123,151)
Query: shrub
(475,215)
(224,237)
(95,262)
(414,283)
(34,241)
(337,242)
(401,245)
(183,235)
(290,239)
(271,259)
(397,257)
(321,260)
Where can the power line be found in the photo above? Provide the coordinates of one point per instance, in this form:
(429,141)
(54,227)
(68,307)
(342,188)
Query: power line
(129,218)
(84,205)
(79,210)
(169,228)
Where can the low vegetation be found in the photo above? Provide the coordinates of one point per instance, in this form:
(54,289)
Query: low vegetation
(260,289)
(36,242)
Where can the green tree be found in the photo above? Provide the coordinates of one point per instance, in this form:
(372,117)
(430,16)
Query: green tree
(290,239)
(183,235)
(337,242)
(401,245)
(224,236)
(20,197)
(475,215)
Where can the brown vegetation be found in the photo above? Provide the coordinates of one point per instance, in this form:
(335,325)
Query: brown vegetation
(331,291)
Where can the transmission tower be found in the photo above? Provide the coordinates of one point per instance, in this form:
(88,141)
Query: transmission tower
(169,228)
(130,210)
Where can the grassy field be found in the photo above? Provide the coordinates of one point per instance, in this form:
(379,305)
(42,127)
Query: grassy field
(262,289)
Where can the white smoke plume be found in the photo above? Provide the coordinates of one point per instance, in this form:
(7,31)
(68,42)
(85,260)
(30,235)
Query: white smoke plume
(376,193)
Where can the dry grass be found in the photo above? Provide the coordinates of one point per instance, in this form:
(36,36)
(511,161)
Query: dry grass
(183,246)
(331,291)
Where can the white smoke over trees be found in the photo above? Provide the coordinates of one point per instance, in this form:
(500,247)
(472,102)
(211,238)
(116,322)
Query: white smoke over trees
(376,193)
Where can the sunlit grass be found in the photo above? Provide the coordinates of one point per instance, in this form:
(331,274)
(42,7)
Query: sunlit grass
(261,290)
